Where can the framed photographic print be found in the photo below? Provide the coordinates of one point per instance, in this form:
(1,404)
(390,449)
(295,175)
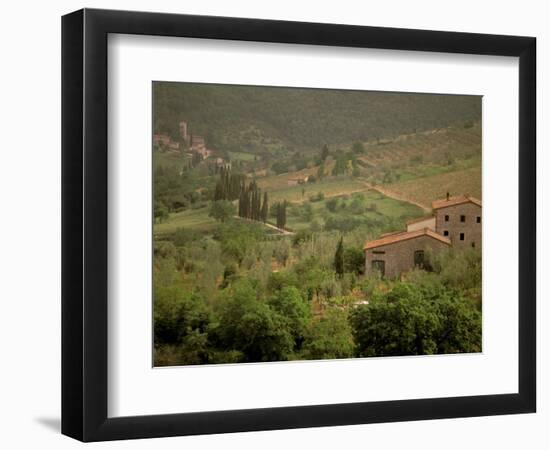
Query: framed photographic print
(274,225)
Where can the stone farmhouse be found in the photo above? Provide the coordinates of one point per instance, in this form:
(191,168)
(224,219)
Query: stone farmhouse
(455,222)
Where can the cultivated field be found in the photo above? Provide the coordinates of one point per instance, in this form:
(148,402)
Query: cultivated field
(410,156)
(426,189)
(332,187)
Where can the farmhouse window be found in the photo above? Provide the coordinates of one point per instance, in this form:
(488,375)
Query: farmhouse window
(445,232)
(473,244)
(478,219)
(461,236)
(379,266)
(463,218)
(378,252)
(419,258)
(446,218)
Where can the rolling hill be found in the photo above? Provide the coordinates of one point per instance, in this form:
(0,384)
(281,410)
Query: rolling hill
(277,120)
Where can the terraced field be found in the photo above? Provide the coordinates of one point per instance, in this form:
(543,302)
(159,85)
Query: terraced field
(427,153)
(426,189)
(329,187)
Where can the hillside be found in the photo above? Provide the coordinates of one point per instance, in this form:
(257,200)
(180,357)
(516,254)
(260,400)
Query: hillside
(277,121)
(262,208)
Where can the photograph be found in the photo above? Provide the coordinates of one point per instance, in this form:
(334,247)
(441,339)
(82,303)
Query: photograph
(258,225)
(295,223)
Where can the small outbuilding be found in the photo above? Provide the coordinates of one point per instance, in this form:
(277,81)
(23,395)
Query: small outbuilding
(395,253)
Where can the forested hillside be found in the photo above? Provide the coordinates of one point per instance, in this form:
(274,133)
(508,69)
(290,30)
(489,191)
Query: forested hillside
(260,119)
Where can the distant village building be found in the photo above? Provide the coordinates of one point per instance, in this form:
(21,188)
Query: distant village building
(183,132)
(174,146)
(165,143)
(197,142)
(161,139)
(298,180)
(220,162)
(456,222)
(198,146)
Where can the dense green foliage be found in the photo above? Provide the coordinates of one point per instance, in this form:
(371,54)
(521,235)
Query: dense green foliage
(239,310)
(413,320)
(261,119)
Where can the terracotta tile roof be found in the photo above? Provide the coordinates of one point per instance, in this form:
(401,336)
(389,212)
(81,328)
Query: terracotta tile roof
(393,238)
(393,233)
(453,201)
(420,219)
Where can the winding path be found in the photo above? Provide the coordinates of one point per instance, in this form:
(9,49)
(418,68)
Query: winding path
(269,225)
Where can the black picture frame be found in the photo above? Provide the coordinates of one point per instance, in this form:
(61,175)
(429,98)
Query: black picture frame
(84,224)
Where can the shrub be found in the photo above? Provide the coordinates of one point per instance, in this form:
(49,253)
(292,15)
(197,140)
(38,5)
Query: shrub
(411,320)
(248,325)
(331,204)
(329,336)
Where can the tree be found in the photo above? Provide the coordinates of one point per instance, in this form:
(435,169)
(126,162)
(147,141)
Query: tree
(281,214)
(289,303)
(281,252)
(176,314)
(358,147)
(161,213)
(321,171)
(339,258)
(329,336)
(249,325)
(341,166)
(222,210)
(324,152)
(354,260)
(413,320)
(331,204)
(265,209)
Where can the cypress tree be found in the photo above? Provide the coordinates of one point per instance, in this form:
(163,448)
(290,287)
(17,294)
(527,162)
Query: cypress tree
(339,258)
(265,209)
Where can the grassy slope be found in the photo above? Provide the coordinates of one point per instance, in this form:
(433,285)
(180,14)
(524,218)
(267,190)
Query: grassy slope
(377,206)
(193,219)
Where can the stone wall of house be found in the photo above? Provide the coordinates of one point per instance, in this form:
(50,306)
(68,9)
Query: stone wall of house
(453,226)
(399,256)
(428,222)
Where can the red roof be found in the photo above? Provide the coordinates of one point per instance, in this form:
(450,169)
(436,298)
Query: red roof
(453,201)
(393,238)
